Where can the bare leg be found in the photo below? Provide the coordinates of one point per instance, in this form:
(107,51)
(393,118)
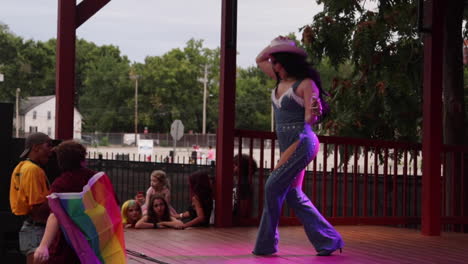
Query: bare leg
(287,154)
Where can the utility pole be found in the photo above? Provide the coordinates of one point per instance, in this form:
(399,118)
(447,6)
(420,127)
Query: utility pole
(17,125)
(205,84)
(135,77)
(205,81)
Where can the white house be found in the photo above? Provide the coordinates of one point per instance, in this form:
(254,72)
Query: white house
(37,114)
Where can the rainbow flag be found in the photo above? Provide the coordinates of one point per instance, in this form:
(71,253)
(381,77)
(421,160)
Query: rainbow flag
(91,221)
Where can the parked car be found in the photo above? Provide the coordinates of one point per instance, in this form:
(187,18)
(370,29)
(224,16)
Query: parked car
(129,139)
(88,140)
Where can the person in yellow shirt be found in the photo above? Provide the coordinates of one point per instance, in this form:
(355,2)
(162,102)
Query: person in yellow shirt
(28,190)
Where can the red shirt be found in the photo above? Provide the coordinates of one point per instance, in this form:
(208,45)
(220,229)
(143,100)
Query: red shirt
(71,181)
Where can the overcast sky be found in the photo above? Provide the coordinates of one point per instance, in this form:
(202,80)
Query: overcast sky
(143,28)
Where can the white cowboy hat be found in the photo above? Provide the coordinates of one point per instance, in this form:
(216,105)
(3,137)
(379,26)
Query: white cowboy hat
(283,44)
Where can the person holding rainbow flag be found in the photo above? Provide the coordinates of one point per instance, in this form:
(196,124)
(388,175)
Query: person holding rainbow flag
(84,206)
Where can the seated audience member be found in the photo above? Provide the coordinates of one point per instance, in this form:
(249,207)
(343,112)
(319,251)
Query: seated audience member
(131,213)
(140,198)
(158,215)
(198,213)
(243,192)
(159,185)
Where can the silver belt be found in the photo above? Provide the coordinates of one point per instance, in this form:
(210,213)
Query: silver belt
(289,127)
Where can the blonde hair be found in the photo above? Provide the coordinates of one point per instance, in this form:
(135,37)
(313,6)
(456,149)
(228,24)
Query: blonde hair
(126,206)
(162,178)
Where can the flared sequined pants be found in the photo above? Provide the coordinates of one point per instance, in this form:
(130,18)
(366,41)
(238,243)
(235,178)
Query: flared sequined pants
(319,231)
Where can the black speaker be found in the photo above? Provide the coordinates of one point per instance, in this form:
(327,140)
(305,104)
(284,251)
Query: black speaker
(6,115)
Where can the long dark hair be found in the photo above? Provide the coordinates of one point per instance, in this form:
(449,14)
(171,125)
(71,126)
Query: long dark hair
(297,66)
(153,217)
(201,187)
(244,163)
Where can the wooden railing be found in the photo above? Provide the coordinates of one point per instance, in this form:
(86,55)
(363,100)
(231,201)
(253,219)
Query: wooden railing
(455,188)
(357,181)
(351,181)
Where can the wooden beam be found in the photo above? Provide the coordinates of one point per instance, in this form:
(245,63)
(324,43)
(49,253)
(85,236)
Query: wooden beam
(432,119)
(227,95)
(65,73)
(70,17)
(87,8)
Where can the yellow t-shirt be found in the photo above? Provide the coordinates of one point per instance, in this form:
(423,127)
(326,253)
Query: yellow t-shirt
(29,186)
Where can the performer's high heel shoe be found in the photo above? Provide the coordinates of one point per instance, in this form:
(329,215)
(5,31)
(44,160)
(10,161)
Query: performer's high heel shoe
(263,254)
(326,252)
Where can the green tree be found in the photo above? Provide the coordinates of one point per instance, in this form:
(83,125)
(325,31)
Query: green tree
(171,88)
(381,99)
(106,90)
(253,103)
(10,63)
(27,65)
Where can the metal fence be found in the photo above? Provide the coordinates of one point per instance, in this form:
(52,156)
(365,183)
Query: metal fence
(327,190)
(159,139)
(130,177)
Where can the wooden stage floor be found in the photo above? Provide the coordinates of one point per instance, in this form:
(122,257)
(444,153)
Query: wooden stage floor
(364,244)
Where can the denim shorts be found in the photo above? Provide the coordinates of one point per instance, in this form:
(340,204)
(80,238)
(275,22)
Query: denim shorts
(30,236)
(288,133)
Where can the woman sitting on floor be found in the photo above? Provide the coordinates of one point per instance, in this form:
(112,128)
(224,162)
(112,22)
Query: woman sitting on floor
(199,212)
(131,213)
(158,215)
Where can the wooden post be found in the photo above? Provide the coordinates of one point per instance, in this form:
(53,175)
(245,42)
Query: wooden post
(227,95)
(65,74)
(70,17)
(432,119)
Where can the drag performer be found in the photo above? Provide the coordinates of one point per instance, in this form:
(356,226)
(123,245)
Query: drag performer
(298,103)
